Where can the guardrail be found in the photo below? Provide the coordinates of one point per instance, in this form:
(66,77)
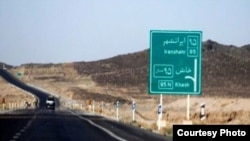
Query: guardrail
(17,105)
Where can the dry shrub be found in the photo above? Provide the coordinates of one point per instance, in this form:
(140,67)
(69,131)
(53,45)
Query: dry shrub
(154,126)
(166,131)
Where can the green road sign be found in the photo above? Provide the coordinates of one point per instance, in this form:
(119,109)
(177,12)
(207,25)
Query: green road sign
(19,74)
(175,62)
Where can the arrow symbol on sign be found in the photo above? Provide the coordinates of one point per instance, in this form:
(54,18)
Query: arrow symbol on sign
(195,75)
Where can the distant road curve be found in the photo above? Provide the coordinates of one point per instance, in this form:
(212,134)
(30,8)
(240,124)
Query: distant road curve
(41,95)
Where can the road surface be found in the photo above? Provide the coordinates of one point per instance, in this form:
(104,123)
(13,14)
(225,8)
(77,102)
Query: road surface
(65,125)
(41,124)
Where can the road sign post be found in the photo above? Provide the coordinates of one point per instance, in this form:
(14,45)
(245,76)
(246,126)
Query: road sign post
(188,107)
(175,62)
(133,110)
(117,110)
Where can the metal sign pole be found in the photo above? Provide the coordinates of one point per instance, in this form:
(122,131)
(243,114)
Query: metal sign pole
(161,107)
(188,106)
(160,113)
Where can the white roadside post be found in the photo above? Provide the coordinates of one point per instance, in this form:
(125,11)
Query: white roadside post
(3,106)
(3,102)
(93,106)
(202,113)
(159,116)
(117,110)
(159,113)
(133,110)
(102,107)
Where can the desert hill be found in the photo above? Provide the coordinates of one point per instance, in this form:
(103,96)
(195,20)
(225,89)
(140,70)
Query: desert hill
(225,70)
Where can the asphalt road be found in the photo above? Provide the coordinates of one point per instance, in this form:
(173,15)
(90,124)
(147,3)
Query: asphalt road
(41,125)
(64,125)
(42,96)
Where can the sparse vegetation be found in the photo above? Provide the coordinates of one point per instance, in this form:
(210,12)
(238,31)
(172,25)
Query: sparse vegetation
(167,131)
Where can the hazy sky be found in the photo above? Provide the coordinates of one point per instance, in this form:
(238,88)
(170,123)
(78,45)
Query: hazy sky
(55,31)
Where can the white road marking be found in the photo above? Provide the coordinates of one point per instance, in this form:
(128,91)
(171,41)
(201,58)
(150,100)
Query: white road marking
(15,137)
(100,127)
(22,130)
(18,134)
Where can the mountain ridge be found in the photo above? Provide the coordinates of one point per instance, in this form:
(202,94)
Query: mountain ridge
(225,69)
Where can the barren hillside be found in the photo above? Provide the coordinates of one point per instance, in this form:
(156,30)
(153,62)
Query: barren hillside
(225,79)
(225,71)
